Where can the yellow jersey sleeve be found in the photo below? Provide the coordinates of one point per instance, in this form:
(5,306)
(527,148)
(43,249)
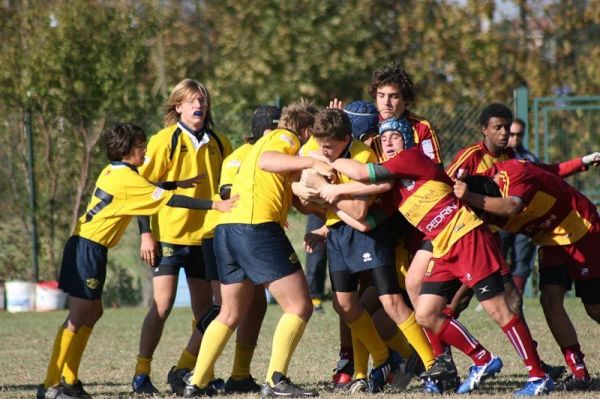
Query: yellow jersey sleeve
(229,169)
(120,193)
(264,196)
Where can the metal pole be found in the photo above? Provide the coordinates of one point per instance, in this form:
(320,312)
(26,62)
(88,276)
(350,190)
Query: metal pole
(32,199)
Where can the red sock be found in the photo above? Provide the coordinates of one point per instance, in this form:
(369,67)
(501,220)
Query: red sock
(519,336)
(459,337)
(574,358)
(519,283)
(436,344)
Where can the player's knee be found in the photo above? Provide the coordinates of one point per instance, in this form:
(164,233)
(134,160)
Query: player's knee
(514,301)
(549,301)
(425,317)
(161,310)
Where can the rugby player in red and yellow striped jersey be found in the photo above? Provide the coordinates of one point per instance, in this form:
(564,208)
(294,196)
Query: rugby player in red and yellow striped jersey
(537,202)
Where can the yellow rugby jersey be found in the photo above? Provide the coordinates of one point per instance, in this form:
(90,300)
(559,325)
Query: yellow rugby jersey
(357,151)
(264,196)
(120,193)
(173,154)
(230,168)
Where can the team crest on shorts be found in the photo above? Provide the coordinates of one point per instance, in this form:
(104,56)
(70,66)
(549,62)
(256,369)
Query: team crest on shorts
(167,251)
(293,258)
(92,283)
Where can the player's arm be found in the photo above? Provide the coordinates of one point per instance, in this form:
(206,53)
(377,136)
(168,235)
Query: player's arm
(333,192)
(500,206)
(363,172)
(572,166)
(277,162)
(182,201)
(373,218)
(187,183)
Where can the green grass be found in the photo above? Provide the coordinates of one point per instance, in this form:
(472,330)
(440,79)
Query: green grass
(107,366)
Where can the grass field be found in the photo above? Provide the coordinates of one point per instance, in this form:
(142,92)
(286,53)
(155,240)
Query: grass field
(107,366)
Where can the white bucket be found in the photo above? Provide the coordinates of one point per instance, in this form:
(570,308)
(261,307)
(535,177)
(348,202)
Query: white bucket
(1,296)
(20,296)
(49,297)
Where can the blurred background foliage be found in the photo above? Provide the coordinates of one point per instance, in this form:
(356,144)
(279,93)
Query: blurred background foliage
(79,66)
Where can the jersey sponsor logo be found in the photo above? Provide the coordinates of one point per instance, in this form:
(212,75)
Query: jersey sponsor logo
(293,258)
(427,148)
(234,163)
(367,257)
(92,283)
(408,184)
(158,192)
(541,226)
(167,251)
(440,217)
(183,148)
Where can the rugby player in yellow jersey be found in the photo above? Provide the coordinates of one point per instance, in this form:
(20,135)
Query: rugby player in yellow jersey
(264,119)
(188,146)
(252,249)
(120,193)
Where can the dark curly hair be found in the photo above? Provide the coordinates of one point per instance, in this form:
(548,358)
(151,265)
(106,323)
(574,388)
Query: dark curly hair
(393,75)
(495,110)
(120,140)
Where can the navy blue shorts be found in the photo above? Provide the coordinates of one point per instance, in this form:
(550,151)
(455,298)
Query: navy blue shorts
(172,257)
(210,260)
(83,268)
(260,253)
(352,251)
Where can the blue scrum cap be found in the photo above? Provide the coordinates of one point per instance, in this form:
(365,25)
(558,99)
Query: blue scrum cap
(399,125)
(363,117)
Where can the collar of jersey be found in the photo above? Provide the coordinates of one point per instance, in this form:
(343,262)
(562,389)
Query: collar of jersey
(198,137)
(121,164)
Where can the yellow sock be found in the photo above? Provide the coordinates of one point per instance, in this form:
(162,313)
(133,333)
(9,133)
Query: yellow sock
(361,358)
(215,338)
(287,335)
(364,329)
(62,343)
(80,340)
(186,360)
(143,366)
(416,336)
(399,343)
(242,360)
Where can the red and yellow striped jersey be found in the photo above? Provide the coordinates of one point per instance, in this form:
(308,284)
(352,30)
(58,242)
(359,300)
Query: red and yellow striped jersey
(424,195)
(476,159)
(555,213)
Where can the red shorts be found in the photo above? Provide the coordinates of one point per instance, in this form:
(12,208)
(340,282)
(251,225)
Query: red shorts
(582,258)
(471,259)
